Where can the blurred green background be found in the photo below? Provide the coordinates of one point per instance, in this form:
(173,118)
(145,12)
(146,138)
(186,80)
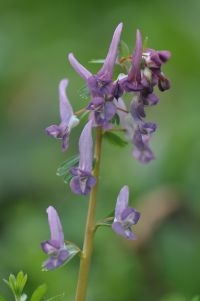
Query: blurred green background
(35,38)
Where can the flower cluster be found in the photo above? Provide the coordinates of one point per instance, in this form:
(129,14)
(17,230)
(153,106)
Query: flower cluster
(107,110)
(106,99)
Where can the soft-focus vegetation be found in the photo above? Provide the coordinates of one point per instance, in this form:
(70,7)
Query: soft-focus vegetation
(35,37)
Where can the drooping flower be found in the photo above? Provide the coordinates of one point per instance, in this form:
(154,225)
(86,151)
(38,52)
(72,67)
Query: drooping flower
(125,216)
(68,119)
(83,180)
(142,132)
(100,85)
(152,74)
(55,247)
(141,137)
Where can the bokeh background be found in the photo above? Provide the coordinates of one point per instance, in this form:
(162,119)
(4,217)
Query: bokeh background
(35,37)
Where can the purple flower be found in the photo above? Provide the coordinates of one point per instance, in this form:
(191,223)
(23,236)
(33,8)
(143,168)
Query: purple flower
(68,119)
(125,216)
(142,132)
(133,81)
(153,61)
(55,247)
(104,75)
(102,112)
(100,85)
(142,151)
(83,180)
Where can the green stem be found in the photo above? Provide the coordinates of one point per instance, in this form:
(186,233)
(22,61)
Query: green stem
(90,225)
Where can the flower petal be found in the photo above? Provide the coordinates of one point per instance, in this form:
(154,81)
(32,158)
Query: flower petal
(107,68)
(134,74)
(55,226)
(85,148)
(82,184)
(120,230)
(80,69)
(56,260)
(122,202)
(65,107)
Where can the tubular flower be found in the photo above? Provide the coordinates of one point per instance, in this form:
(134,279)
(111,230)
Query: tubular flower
(100,85)
(55,247)
(83,180)
(133,80)
(125,216)
(68,119)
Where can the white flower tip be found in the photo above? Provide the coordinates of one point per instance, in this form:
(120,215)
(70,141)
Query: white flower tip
(124,188)
(50,209)
(120,26)
(74,121)
(70,56)
(63,84)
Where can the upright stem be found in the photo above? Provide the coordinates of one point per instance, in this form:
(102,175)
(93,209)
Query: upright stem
(90,224)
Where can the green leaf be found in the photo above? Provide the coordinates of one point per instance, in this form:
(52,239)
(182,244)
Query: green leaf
(64,168)
(17,284)
(39,293)
(123,49)
(2,298)
(84,92)
(115,139)
(21,280)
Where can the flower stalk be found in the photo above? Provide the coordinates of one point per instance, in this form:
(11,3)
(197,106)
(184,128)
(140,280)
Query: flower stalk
(90,225)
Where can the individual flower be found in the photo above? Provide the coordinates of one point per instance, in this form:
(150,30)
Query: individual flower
(100,85)
(102,112)
(83,180)
(68,119)
(125,216)
(55,247)
(152,74)
(142,131)
(141,137)
(132,82)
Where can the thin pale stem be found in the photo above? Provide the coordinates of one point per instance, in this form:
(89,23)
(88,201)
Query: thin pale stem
(90,226)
